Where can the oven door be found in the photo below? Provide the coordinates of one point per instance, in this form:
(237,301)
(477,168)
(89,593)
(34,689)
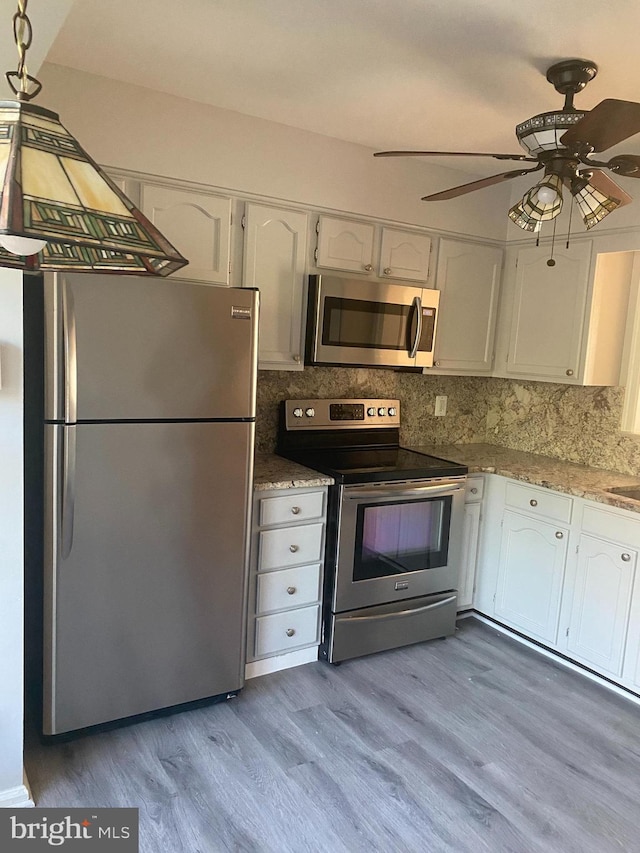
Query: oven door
(397,540)
(370,323)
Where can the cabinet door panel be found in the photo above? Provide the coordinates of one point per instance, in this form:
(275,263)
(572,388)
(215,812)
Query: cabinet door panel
(199,226)
(274,261)
(404,255)
(467,571)
(530,575)
(549,312)
(600,607)
(468,278)
(345,245)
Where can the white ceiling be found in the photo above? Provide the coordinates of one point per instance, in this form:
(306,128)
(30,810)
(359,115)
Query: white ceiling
(437,74)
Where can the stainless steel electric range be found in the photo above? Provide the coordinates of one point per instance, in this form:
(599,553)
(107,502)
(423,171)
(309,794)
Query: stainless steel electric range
(394,527)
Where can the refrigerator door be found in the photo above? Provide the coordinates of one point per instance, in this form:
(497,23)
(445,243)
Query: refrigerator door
(127,348)
(145,567)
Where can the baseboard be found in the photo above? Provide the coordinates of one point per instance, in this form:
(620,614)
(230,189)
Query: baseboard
(557,658)
(286,661)
(16,798)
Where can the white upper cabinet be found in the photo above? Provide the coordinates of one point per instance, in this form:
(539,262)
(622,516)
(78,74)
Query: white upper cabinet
(345,245)
(275,251)
(197,223)
(566,322)
(404,255)
(468,278)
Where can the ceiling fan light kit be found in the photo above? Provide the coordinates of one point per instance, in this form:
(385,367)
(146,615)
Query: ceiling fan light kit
(560,142)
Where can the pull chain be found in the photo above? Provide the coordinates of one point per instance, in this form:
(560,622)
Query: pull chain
(570,214)
(20,79)
(551,262)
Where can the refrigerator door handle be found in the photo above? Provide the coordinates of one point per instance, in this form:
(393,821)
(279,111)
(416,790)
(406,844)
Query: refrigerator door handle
(68,489)
(70,356)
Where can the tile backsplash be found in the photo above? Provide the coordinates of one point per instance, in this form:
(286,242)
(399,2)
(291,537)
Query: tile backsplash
(567,422)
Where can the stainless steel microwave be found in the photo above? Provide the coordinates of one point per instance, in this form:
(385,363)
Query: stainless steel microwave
(370,323)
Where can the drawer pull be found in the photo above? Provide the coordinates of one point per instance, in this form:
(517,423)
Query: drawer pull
(387,270)
(295,510)
(368,267)
(291,590)
(294,548)
(559,534)
(533,502)
(625,558)
(474,491)
(290,632)
(569,372)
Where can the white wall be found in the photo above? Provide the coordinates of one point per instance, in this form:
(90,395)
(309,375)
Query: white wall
(133,128)
(11,539)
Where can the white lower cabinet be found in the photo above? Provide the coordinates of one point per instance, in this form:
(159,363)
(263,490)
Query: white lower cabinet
(530,575)
(287,551)
(470,533)
(598,610)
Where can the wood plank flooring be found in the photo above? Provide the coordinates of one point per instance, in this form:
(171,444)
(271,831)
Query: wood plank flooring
(475,743)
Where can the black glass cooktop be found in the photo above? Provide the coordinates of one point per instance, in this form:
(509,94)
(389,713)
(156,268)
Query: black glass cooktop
(369,465)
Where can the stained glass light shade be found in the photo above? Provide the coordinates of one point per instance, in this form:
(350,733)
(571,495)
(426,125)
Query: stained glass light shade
(523,220)
(593,204)
(533,210)
(542,132)
(52,190)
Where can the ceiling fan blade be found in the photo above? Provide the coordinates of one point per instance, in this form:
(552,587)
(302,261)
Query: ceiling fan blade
(627,165)
(604,184)
(610,122)
(454,192)
(520,157)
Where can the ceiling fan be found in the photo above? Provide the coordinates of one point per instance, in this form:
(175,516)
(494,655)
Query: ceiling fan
(560,142)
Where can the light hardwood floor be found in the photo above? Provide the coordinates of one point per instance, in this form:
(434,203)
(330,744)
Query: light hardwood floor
(475,743)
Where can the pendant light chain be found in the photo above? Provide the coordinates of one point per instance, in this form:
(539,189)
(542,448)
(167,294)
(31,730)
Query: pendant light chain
(23,36)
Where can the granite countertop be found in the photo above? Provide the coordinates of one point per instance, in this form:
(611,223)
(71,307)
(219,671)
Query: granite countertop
(567,477)
(274,472)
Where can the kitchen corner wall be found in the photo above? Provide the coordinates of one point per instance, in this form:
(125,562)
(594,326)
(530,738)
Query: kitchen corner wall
(566,422)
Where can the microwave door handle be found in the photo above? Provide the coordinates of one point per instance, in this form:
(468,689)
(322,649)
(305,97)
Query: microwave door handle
(417,304)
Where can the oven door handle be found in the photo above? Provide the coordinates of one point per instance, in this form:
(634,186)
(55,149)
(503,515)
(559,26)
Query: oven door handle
(389,491)
(409,611)
(417,304)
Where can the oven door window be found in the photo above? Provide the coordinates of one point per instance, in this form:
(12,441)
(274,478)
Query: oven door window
(397,537)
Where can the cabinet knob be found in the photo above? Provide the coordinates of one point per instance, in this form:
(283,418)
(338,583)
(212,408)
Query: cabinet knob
(295,510)
(291,590)
(436,363)
(569,372)
(296,358)
(368,267)
(387,270)
(290,632)
(533,502)
(559,534)
(474,491)
(293,548)
(625,557)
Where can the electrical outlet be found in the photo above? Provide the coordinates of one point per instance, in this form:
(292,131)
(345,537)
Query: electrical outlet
(441,407)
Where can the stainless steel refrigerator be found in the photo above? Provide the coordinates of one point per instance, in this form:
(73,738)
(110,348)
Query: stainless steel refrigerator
(149,435)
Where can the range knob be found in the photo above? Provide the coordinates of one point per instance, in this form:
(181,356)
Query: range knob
(371,411)
(382,411)
(393,411)
(310,412)
(298,413)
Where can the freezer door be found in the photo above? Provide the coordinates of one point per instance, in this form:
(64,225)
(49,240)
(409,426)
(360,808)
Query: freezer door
(127,348)
(145,567)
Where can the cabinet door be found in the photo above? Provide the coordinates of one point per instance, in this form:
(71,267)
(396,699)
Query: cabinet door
(404,255)
(467,571)
(345,245)
(600,605)
(548,317)
(199,226)
(530,575)
(275,249)
(468,278)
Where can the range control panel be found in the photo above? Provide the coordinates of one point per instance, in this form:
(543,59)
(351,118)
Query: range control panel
(341,414)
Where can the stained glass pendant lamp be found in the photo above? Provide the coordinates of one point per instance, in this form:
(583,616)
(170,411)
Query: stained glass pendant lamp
(58,209)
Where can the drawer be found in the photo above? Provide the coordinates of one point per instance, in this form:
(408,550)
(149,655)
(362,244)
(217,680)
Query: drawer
(611,525)
(474,489)
(539,502)
(290,546)
(294,507)
(282,632)
(288,588)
